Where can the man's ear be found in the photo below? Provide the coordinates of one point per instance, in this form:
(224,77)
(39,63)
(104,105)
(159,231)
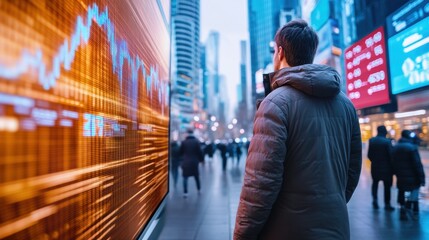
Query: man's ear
(281,54)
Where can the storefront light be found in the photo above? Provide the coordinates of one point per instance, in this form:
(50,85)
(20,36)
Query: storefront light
(363,120)
(410,114)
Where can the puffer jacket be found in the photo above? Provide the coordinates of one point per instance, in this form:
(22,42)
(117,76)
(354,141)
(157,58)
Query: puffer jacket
(408,165)
(304,159)
(380,155)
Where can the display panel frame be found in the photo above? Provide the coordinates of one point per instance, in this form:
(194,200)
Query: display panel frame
(30,103)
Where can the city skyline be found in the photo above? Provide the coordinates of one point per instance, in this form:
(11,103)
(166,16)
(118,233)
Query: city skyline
(232,28)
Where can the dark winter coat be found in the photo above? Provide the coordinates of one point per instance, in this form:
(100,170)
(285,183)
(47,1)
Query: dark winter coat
(304,160)
(223,149)
(407,165)
(192,155)
(380,155)
(175,154)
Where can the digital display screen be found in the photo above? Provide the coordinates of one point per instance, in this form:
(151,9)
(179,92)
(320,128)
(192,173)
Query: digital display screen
(84,117)
(324,50)
(407,15)
(366,71)
(320,14)
(408,45)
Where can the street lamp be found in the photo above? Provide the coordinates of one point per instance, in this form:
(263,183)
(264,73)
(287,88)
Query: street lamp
(196,118)
(242,131)
(234,121)
(213,118)
(230,126)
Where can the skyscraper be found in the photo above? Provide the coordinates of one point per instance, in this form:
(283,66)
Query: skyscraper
(185,15)
(204,76)
(372,14)
(243,77)
(212,73)
(264,16)
(242,112)
(263,24)
(223,109)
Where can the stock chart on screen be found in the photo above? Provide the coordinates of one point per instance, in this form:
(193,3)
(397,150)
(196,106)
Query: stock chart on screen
(84,117)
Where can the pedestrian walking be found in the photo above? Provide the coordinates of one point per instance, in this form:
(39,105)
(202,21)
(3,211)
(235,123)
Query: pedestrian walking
(380,155)
(410,175)
(223,150)
(192,156)
(210,149)
(231,150)
(175,161)
(305,156)
(238,152)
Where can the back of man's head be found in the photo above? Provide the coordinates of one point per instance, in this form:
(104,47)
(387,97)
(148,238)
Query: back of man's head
(381,130)
(190,131)
(299,42)
(406,134)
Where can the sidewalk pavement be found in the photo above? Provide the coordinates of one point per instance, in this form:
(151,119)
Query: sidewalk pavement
(211,215)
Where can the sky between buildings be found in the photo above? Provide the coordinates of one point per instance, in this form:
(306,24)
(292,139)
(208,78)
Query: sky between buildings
(229,18)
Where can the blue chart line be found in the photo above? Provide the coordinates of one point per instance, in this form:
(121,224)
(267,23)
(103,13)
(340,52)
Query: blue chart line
(67,51)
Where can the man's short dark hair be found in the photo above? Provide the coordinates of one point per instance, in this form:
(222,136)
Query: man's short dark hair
(381,130)
(299,42)
(406,134)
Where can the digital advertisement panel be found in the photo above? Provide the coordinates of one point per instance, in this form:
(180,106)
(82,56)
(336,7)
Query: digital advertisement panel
(320,14)
(84,117)
(409,46)
(366,71)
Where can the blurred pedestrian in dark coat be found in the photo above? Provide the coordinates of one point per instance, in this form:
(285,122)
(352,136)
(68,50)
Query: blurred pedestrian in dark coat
(231,149)
(209,150)
(238,152)
(380,153)
(247,145)
(223,150)
(410,175)
(175,161)
(192,156)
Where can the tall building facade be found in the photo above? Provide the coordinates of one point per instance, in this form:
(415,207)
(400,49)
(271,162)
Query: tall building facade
(243,72)
(223,100)
(185,18)
(371,14)
(212,73)
(204,77)
(264,21)
(242,111)
(263,24)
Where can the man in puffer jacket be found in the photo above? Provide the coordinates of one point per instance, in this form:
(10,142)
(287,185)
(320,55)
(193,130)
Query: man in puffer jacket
(305,157)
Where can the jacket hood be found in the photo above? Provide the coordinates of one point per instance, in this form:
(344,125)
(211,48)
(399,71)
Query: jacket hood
(313,79)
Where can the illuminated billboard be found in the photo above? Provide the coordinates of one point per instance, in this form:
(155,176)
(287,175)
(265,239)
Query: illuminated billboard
(366,71)
(320,14)
(408,45)
(84,117)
